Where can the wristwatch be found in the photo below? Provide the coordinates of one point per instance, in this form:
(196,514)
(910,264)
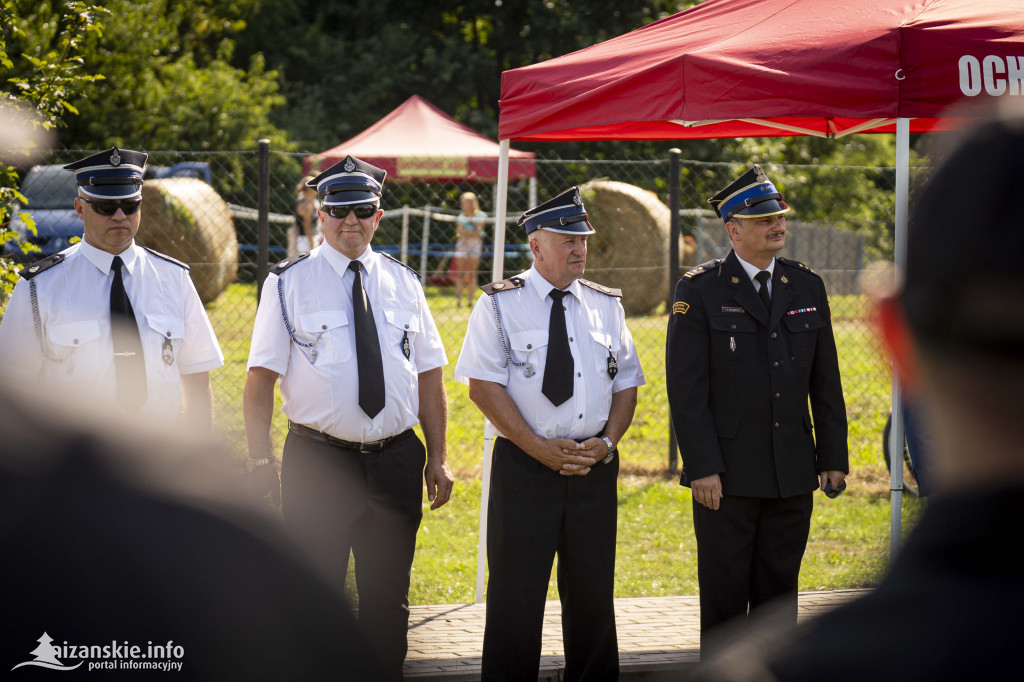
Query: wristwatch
(252,464)
(611,449)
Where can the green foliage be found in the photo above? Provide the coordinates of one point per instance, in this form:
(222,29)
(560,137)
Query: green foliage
(167,79)
(42,80)
(343,65)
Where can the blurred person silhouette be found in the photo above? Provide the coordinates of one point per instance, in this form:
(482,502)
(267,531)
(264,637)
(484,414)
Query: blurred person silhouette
(107,549)
(950,605)
(304,232)
(109,318)
(469,228)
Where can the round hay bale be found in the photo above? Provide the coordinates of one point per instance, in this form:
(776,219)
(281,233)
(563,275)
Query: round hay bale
(630,249)
(186,219)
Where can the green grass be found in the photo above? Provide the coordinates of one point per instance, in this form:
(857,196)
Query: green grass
(848,546)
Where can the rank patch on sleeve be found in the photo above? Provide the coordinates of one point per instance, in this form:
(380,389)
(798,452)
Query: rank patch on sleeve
(680,307)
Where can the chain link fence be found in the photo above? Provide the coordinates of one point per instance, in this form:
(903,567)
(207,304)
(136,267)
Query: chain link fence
(202,208)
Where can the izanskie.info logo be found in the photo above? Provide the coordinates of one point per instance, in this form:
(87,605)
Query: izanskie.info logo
(113,656)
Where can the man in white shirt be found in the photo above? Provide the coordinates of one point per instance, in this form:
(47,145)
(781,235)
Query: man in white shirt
(118,322)
(348,332)
(557,380)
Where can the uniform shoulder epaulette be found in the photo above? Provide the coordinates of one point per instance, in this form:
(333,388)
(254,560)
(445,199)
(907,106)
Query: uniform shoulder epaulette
(503,285)
(167,258)
(41,266)
(283,265)
(703,267)
(797,264)
(617,293)
(407,267)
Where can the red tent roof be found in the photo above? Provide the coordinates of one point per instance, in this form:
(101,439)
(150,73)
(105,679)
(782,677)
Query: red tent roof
(419,142)
(745,68)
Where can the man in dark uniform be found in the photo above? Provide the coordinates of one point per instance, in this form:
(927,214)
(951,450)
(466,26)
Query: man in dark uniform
(950,607)
(749,340)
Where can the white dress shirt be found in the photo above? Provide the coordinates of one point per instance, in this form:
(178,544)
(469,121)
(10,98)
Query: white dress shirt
(72,350)
(319,378)
(596,324)
(752,271)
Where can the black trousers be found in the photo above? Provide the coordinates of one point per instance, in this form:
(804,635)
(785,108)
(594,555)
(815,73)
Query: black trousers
(748,554)
(533,514)
(336,501)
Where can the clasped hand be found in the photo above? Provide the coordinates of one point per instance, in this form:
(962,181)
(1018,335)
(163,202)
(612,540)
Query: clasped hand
(570,458)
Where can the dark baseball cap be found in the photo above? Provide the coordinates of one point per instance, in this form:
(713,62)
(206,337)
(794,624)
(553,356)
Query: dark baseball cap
(964,279)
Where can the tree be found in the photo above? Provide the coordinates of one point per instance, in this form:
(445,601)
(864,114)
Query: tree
(43,81)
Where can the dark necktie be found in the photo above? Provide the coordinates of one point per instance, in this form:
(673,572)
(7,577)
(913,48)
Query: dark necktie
(129,362)
(763,278)
(558,366)
(368,360)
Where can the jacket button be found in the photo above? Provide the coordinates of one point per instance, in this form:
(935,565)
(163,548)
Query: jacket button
(776,424)
(775,364)
(806,326)
(775,335)
(529,345)
(777,396)
(732,326)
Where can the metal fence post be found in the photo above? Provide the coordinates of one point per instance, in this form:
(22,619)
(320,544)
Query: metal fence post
(263,218)
(673,274)
(425,245)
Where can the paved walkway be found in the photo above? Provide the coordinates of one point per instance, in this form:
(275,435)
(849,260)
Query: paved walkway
(655,635)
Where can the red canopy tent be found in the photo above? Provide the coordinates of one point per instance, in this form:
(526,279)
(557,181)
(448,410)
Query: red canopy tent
(417,142)
(753,68)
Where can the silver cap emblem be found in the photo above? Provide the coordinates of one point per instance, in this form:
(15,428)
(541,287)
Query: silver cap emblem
(115,158)
(349,166)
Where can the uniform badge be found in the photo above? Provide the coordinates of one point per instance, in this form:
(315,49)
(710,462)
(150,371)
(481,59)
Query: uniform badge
(613,365)
(784,280)
(734,280)
(577,200)
(34,268)
(349,166)
(406,350)
(680,307)
(732,309)
(498,285)
(115,158)
(168,352)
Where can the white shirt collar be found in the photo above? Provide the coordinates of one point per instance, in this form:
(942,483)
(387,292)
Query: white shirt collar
(103,260)
(752,270)
(340,261)
(544,287)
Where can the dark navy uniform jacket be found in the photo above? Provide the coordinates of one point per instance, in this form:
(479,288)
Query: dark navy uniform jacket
(739,380)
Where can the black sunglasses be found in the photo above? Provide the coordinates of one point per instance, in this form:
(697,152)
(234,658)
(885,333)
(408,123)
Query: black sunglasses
(362,211)
(109,208)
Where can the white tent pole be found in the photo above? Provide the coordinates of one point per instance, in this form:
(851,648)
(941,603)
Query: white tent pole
(896,437)
(497,272)
(500,209)
(485,493)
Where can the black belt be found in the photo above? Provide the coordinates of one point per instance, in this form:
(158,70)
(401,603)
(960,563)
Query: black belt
(320,437)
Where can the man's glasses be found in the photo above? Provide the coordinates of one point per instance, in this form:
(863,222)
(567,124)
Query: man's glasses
(362,211)
(109,208)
